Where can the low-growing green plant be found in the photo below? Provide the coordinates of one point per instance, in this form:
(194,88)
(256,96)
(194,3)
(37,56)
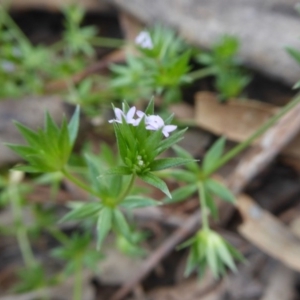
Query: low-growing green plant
(141,137)
(163,66)
(160,67)
(26,68)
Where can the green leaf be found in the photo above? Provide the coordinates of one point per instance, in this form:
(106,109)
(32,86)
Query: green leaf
(294,53)
(121,224)
(182,175)
(192,166)
(120,142)
(104,225)
(31,137)
(64,145)
(108,155)
(296,85)
(51,129)
(213,155)
(156,182)
(23,151)
(234,252)
(82,211)
(170,141)
(225,256)
(219,190)
(27,169)
(192,261)
(152,143)
(165,163)
(131,202)
(212,259)
(74,125)
(210,203)
(182,193)
(150,108)
(93,172)
(120,170)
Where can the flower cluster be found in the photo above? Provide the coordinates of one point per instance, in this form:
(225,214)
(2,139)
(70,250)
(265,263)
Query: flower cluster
(152,122)
(140,139)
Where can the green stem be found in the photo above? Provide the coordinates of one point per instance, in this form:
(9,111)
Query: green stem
(106,42)
(240,147)
(78,280)
(201,73)
(204,209)
(128,189)
(21,234)
(78,182)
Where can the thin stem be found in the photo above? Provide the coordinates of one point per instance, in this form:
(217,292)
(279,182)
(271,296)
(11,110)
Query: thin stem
(78,182)
(204,209)
(106,42)
(21,234)
(128,189)
(78,280)
(240,147)
(201,73)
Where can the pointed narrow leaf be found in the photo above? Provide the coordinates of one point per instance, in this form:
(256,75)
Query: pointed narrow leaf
(165,163)
(192,166)
(120,170)
(64,144)
(121,224)
(182,175)
(82,212)
(210,203)
(74,125)
(212,260)
(27,169)
(225,256)
(234,252)
(104,225)
(30,136)
(294,53)
(23,151)
(182,193)
(192,262)
(170,141)
(213,155)
(120,142)
(150,108)
(156,182)
(152,143)
(114,184)
(219,190)
(93,171)
(51,128)
(169,119)
(131,202)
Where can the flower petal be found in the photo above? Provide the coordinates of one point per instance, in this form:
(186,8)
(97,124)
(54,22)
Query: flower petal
(167,129)
(130,113)
(140,113)
(119,113)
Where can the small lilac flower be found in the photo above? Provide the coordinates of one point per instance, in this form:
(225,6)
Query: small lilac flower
(128,117)
(144,40)
(154,122)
